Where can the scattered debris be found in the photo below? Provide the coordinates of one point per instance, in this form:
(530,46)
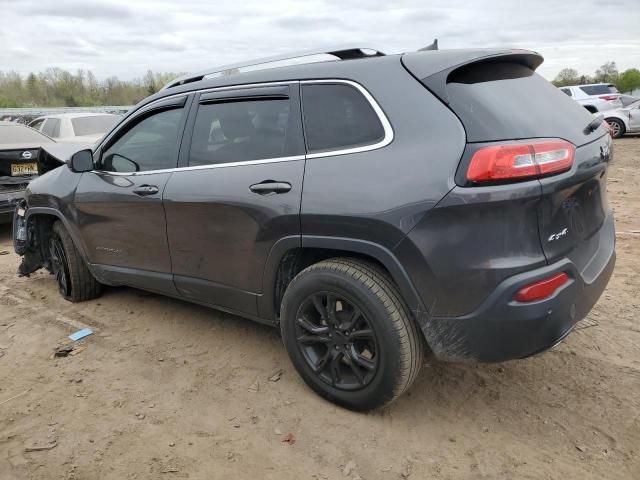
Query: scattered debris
(36,446)
(85,332)
(275,375)
(290,439)
(4,252)
(254,387)
(581,448)
(15,396)
(140,416)
(277,431)
(76,351)
(172,444)
(63,351)
(348,468)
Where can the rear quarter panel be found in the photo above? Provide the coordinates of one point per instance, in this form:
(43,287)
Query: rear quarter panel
(380,195)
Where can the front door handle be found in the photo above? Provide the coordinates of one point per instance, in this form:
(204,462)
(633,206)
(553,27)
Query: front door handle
(269,187)
(144,190)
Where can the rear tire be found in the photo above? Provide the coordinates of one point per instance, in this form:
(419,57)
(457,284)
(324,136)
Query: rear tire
(75,281)
(617,127)
(349,334)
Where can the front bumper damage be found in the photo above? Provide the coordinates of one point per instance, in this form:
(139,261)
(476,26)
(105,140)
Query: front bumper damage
(26,241)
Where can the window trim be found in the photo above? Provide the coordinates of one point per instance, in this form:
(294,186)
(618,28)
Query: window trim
(386,125)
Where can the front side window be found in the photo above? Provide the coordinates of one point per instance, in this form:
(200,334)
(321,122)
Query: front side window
(151,144)
(338,116)
(228,132)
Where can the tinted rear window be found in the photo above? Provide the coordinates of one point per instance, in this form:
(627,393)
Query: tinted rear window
(505,101)
(599,89)
(338,116)
(20,134)
(93,125)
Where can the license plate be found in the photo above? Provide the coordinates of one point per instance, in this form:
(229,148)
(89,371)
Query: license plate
(19,169)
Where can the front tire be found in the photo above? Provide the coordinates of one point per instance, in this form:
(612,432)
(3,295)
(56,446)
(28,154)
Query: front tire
(617,127)
(75,282)
(349,334)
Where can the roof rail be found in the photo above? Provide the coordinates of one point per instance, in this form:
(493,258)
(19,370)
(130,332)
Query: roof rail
(343,52)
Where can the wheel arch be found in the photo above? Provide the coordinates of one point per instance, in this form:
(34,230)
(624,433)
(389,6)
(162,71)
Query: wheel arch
(290,255)
(52,214)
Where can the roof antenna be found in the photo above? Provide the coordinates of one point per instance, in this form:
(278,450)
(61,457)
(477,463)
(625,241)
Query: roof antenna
(433,46)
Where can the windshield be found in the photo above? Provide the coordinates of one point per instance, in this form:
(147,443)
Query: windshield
(21,134)
(93,125)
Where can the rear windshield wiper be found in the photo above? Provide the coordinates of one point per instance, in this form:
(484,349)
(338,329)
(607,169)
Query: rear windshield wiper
(594,124)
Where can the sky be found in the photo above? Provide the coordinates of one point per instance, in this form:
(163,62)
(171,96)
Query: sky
(126,38)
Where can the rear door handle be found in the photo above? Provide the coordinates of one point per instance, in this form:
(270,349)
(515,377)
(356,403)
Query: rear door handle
(269,187)
(144,190)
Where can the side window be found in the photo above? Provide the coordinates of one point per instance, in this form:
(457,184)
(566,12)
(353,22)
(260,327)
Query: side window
(227,132)
(37,124)
(51,127)
(338,116)
(151,144)
(567,91)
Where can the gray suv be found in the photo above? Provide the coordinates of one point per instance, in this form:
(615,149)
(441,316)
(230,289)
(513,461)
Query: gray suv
(374,207)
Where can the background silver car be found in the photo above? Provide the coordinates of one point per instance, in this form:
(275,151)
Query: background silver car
(624,120)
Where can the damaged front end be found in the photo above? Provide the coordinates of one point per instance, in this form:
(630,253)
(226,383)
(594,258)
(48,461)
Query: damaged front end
(30,238)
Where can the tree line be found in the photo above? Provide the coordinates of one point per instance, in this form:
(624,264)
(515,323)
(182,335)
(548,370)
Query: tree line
(625,82)
(59,88)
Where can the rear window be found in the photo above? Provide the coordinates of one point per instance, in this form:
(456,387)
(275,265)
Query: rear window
(93,125)
(20,134)
(599,89)
(337,116)
(506,101)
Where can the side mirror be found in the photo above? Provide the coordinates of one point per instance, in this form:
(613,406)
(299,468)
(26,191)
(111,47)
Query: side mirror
(82,161)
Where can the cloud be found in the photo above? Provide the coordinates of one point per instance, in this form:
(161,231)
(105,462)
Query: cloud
(78,9)
(126,38)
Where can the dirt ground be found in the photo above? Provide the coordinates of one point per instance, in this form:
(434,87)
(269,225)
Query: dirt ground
(165,389)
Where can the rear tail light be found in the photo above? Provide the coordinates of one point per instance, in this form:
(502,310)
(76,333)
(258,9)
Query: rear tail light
(542,288)
(608,98)
(520,160)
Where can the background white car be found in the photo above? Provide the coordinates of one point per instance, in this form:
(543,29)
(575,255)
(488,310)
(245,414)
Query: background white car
(75,127)
(624,120)
(595,97)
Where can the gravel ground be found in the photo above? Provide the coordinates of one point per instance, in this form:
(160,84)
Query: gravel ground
(165,389)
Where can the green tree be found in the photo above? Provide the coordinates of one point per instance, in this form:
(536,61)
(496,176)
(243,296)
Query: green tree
(607,73)
(629,80)
(567,76)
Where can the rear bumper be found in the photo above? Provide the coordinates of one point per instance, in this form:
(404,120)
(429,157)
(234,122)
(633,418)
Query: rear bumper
(503,329)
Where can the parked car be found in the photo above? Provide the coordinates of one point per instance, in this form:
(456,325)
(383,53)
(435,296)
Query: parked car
(19,152)
(75,127)
(595,97)
(624,120)
(434,215)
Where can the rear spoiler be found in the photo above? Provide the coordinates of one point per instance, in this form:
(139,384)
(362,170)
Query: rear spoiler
(432,68)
